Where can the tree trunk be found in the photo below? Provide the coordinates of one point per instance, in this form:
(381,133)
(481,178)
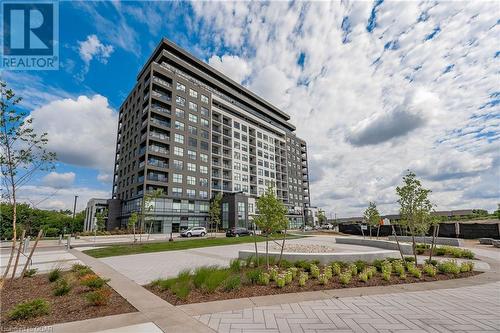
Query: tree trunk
(14,231)
(21,241)
(362,232)
(282,247)
(255,243)
(435,233)
(134,232)
(149,230)
(397,241)
(267,250)
(31,252)
(378,231)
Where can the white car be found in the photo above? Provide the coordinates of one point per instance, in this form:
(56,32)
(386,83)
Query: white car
(195,231)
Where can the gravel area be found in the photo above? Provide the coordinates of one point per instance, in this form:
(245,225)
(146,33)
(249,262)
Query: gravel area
(305,248)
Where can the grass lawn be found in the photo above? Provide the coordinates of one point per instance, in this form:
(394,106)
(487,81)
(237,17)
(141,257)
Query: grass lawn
(120,250)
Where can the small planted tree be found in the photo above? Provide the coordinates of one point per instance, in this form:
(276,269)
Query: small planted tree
(149,205)
(415,207)
(321,217)
(215,211)
(100,218)
(271,217)
(372,217)
(22,153)
(132,221)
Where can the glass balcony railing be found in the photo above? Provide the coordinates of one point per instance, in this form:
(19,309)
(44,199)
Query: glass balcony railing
(161,96)
(159,136)
(160,122)
(157,163)
(162,82)
(160,109)
(157,178)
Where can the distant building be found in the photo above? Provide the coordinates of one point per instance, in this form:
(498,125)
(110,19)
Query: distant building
(94,206)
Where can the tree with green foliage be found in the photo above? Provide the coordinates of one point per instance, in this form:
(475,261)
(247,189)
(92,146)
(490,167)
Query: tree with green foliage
(214,211)
(132,221)
(415,207)
(271,216)
(372,217)
(498,211)
(100,218)
(22,153)
(149,206)
(321,217)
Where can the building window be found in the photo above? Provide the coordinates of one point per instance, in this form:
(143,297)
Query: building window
(236,145)
(177,178)
(203,195)
(191,155)
(203,182)
(204,111)
(204,99)
(203,169)
(179,125)
(193,142)
(191,193)
(241,214)
(193,118)
(191,167)
(179,113)
(180,87)
(191,180)
(178,151)
(193,93)
(204,134)
(193,106)
(204,123)
(204,158)
(192,130)
(179,138)
(180,100)
(225,215)
(237,176)
(236,165)
(237,187)
(178,165)
(176,191)
(236,125)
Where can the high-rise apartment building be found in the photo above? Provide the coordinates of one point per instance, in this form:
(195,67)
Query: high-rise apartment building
(189,130)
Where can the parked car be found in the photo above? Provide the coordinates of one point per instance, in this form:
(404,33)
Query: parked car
(307,228)
(195,231)
(237,232)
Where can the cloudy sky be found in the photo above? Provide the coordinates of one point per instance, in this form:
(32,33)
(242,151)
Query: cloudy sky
(375,88)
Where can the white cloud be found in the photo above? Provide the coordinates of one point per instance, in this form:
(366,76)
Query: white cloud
(80,131)
(59,180)
(93,48)
(232,66)
(401,98)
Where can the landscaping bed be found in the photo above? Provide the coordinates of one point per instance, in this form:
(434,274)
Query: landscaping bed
(242,279)
(82,295)
(444,251)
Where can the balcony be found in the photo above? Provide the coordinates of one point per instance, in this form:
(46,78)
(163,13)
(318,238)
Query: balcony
(162,82)
(159,136)
(160,96)
(157,178)
(156,149)
(160,109)
(157,163)
(160,122)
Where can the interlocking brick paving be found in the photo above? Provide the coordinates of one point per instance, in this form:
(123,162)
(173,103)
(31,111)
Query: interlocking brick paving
(466,309)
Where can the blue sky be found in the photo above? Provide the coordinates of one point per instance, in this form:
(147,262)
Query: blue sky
(376,88)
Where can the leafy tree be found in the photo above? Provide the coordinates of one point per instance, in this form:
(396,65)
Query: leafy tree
(321,217)
(101,219)
(498,211)
(132,221)
(214,211)
(22,152)
(415,207)
(271,216)
(372,216)
(149,201)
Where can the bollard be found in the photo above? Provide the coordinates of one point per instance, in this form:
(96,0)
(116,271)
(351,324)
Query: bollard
(26,244)
(68,243)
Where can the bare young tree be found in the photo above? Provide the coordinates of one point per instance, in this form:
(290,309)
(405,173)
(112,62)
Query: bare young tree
(22,153)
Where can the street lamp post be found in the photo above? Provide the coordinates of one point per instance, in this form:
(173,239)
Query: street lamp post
(74,213)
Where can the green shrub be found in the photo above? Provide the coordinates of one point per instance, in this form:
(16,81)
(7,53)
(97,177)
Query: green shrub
(288,277)
(286,264)
(449,266)
(303,264)
(30,309)
(164,284)
(415,271)
(360,265)
(386,267)
(363,276)
(264,279)
(201,274)
(81,270)
(386,275)
(420,250)
(466,267)
(235,265)
(54,274)
(98,297)
(398,267)
(316,262)
(323,279)
(429,270)
(62,287)
(303,277)
(294,271)
(409,259)
(378,264)
(30,272)
(314,271)
(214,280)
(327,270)
(181,289)
(184,275)
(440,251)
(370,271)
(93,281)
(354,269)
(281,281)
(336,268)
(273,273)
(432,262)
(345,277)
(232,283)
(467,254)
(253,275)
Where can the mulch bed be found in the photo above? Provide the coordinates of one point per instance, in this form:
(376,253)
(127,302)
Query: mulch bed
(70,307)
(197,296)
